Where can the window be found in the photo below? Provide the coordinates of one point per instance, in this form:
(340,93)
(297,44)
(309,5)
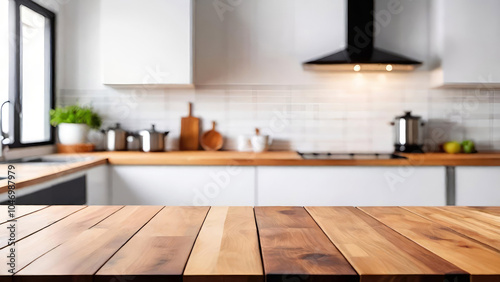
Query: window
(27,72)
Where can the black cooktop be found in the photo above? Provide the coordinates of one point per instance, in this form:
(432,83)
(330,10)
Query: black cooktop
(349,156)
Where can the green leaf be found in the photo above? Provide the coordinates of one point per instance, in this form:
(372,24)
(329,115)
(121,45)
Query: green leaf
(75,114)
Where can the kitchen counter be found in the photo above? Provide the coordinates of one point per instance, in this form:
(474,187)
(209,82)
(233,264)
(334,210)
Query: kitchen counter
(288,158)
(35,173)
(27,174)
(194,244)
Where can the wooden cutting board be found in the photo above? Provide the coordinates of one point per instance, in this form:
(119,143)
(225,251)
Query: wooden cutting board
(190,132)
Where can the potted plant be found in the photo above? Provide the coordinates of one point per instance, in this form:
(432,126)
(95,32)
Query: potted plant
(73,123)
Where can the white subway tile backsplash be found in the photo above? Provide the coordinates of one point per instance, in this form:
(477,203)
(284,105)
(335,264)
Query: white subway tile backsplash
(349,115)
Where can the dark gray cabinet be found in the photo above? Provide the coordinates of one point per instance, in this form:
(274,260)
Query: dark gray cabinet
(72,192)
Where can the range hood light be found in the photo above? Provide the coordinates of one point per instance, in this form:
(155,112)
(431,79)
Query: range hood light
(359,67)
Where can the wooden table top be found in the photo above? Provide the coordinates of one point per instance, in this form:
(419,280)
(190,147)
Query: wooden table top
(245,244)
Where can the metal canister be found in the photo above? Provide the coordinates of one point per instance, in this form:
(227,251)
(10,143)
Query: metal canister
(152,140)
(408,133)
(116,138)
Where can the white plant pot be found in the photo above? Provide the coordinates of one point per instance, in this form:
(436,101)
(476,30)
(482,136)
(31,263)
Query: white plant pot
(72,133)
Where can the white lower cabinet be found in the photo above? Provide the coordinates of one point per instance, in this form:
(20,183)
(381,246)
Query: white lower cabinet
(351,186)
(477,186)
(98,192)
(183,185)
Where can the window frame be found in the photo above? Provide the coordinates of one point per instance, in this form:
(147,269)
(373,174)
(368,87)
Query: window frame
(15,69)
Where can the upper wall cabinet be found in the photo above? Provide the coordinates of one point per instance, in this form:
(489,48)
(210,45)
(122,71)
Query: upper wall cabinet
(469,34)
(147,42)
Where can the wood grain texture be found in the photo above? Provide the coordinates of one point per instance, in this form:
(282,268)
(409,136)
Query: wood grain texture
(378,253)
(483,227)
(226,248)
(489,210)
(480,261)
(79,258)
(68,243)
(36,221)
(160,250)
(45,240)
(492,217)
(29,174)
(20,211)
(190,132)
(294,248)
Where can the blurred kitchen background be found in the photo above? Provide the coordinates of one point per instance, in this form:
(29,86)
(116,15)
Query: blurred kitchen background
(248,74)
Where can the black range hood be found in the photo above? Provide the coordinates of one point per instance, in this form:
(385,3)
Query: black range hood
(360,54)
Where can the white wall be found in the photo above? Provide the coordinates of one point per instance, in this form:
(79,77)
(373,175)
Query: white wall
(248,73)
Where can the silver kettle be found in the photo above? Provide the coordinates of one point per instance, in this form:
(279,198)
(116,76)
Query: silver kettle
(152,140)
(408,133)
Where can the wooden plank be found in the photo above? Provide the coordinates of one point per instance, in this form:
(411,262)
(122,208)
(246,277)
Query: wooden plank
(34,222)
(41,242)
(20,211)
(378,253)
(295,249)
(480,226)
(160,250)
(227,248)
(492,217)
(81,257)
(490,210)
(482,262)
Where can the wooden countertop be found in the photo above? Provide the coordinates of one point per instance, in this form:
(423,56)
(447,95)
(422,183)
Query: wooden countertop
(35,173)
(288,158)
(30,174)
(242,244)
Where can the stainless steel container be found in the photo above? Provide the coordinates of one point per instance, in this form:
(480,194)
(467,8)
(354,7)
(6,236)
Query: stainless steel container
(152,140)
(408,133)
(133,142)
(116,138)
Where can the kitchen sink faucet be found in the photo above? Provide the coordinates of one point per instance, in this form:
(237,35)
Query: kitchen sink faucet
(3,136)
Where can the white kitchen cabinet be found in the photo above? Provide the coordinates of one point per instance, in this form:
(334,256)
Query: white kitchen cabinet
(98,190)
(351,186)
(477,186)
(183,185)
(468,32)
(146,42)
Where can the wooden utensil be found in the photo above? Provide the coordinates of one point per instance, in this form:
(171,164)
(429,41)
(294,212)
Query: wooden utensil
(190,132)
(212,140)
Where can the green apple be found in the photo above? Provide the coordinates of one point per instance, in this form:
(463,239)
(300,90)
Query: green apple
(469,147)
(452,147)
